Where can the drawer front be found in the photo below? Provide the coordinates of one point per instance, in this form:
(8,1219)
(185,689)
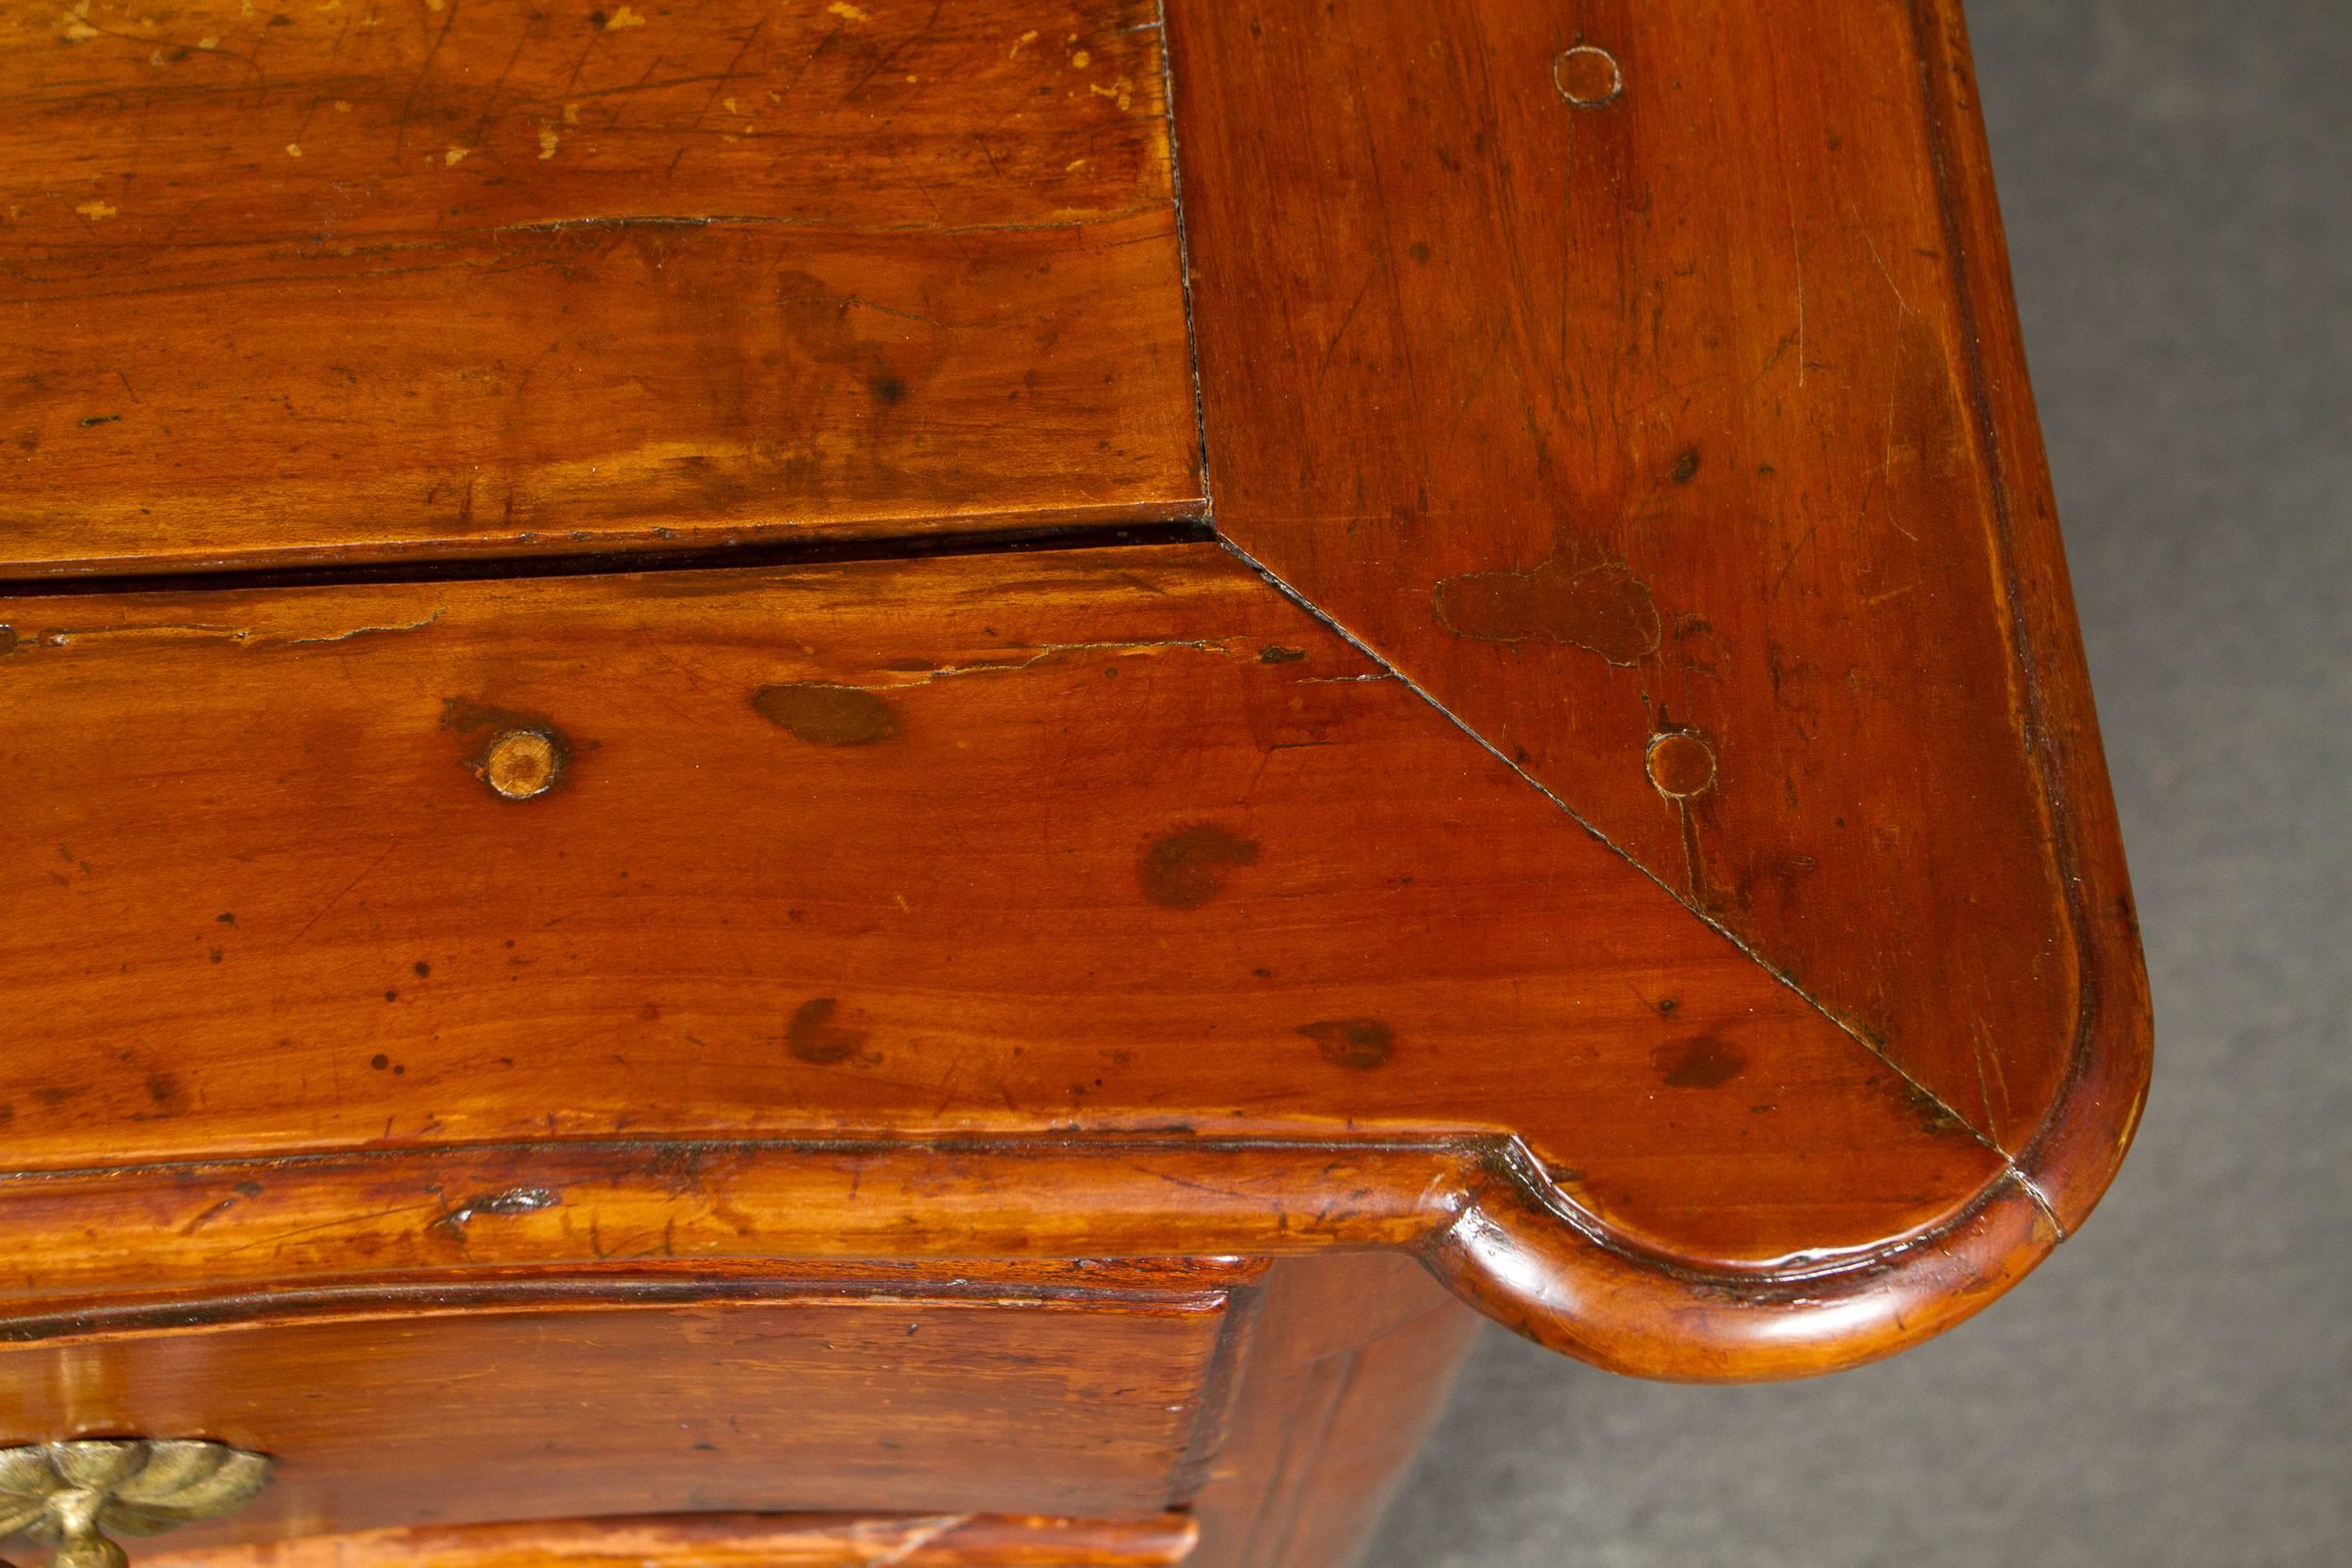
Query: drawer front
(1050,1406)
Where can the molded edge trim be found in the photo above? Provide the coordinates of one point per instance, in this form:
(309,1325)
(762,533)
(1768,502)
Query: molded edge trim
(2083,1135)
(1508,1253)
(513,1226)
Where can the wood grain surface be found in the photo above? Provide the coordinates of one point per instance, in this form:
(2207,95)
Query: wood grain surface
(343,281)
(1616,810)
(1642,383)
(798,876)
(1347,1369)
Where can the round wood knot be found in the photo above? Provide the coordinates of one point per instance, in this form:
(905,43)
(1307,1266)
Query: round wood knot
(521,764)
(1682,764)
(1587,77)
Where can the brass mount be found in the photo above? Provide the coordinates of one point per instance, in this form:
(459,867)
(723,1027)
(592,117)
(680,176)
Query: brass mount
(70,1493)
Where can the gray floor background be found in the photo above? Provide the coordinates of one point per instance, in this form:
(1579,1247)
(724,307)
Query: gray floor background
(2175,1385)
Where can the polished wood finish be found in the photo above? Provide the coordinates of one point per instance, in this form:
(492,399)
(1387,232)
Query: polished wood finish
(733,1541)
(668,775)
(323,283)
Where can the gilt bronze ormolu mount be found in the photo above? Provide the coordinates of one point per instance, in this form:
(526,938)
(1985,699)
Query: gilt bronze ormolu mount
(69,1495)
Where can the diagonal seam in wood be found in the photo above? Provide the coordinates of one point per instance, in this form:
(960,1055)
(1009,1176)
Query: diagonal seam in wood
(1168,108)
(1325,619)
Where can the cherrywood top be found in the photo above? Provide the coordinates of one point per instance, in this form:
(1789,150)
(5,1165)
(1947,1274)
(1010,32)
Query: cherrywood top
(1606,798)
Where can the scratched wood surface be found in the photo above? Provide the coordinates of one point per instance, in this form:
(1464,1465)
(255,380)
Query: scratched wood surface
(1750,990)
(1113,843)
(732,1541)
(1642,381)
(326,282)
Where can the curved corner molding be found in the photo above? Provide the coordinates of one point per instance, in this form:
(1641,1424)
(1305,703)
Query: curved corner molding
(72,1494)
(1525,1263)
(586,1221)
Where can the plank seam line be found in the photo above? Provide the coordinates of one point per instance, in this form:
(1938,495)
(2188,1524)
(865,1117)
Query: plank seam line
(1185,526)
(1183,267)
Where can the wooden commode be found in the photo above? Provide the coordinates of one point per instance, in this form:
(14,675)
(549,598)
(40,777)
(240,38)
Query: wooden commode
(821,784)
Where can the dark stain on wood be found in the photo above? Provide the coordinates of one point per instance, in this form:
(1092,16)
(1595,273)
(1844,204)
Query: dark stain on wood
(1934,1116)
(1356,1043)
(1686,466)
(823,714)
(1584,601)
(1184,869)
(1274,652)
(1700,1062)
(166,1092)
(813,1036)
(462,716)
